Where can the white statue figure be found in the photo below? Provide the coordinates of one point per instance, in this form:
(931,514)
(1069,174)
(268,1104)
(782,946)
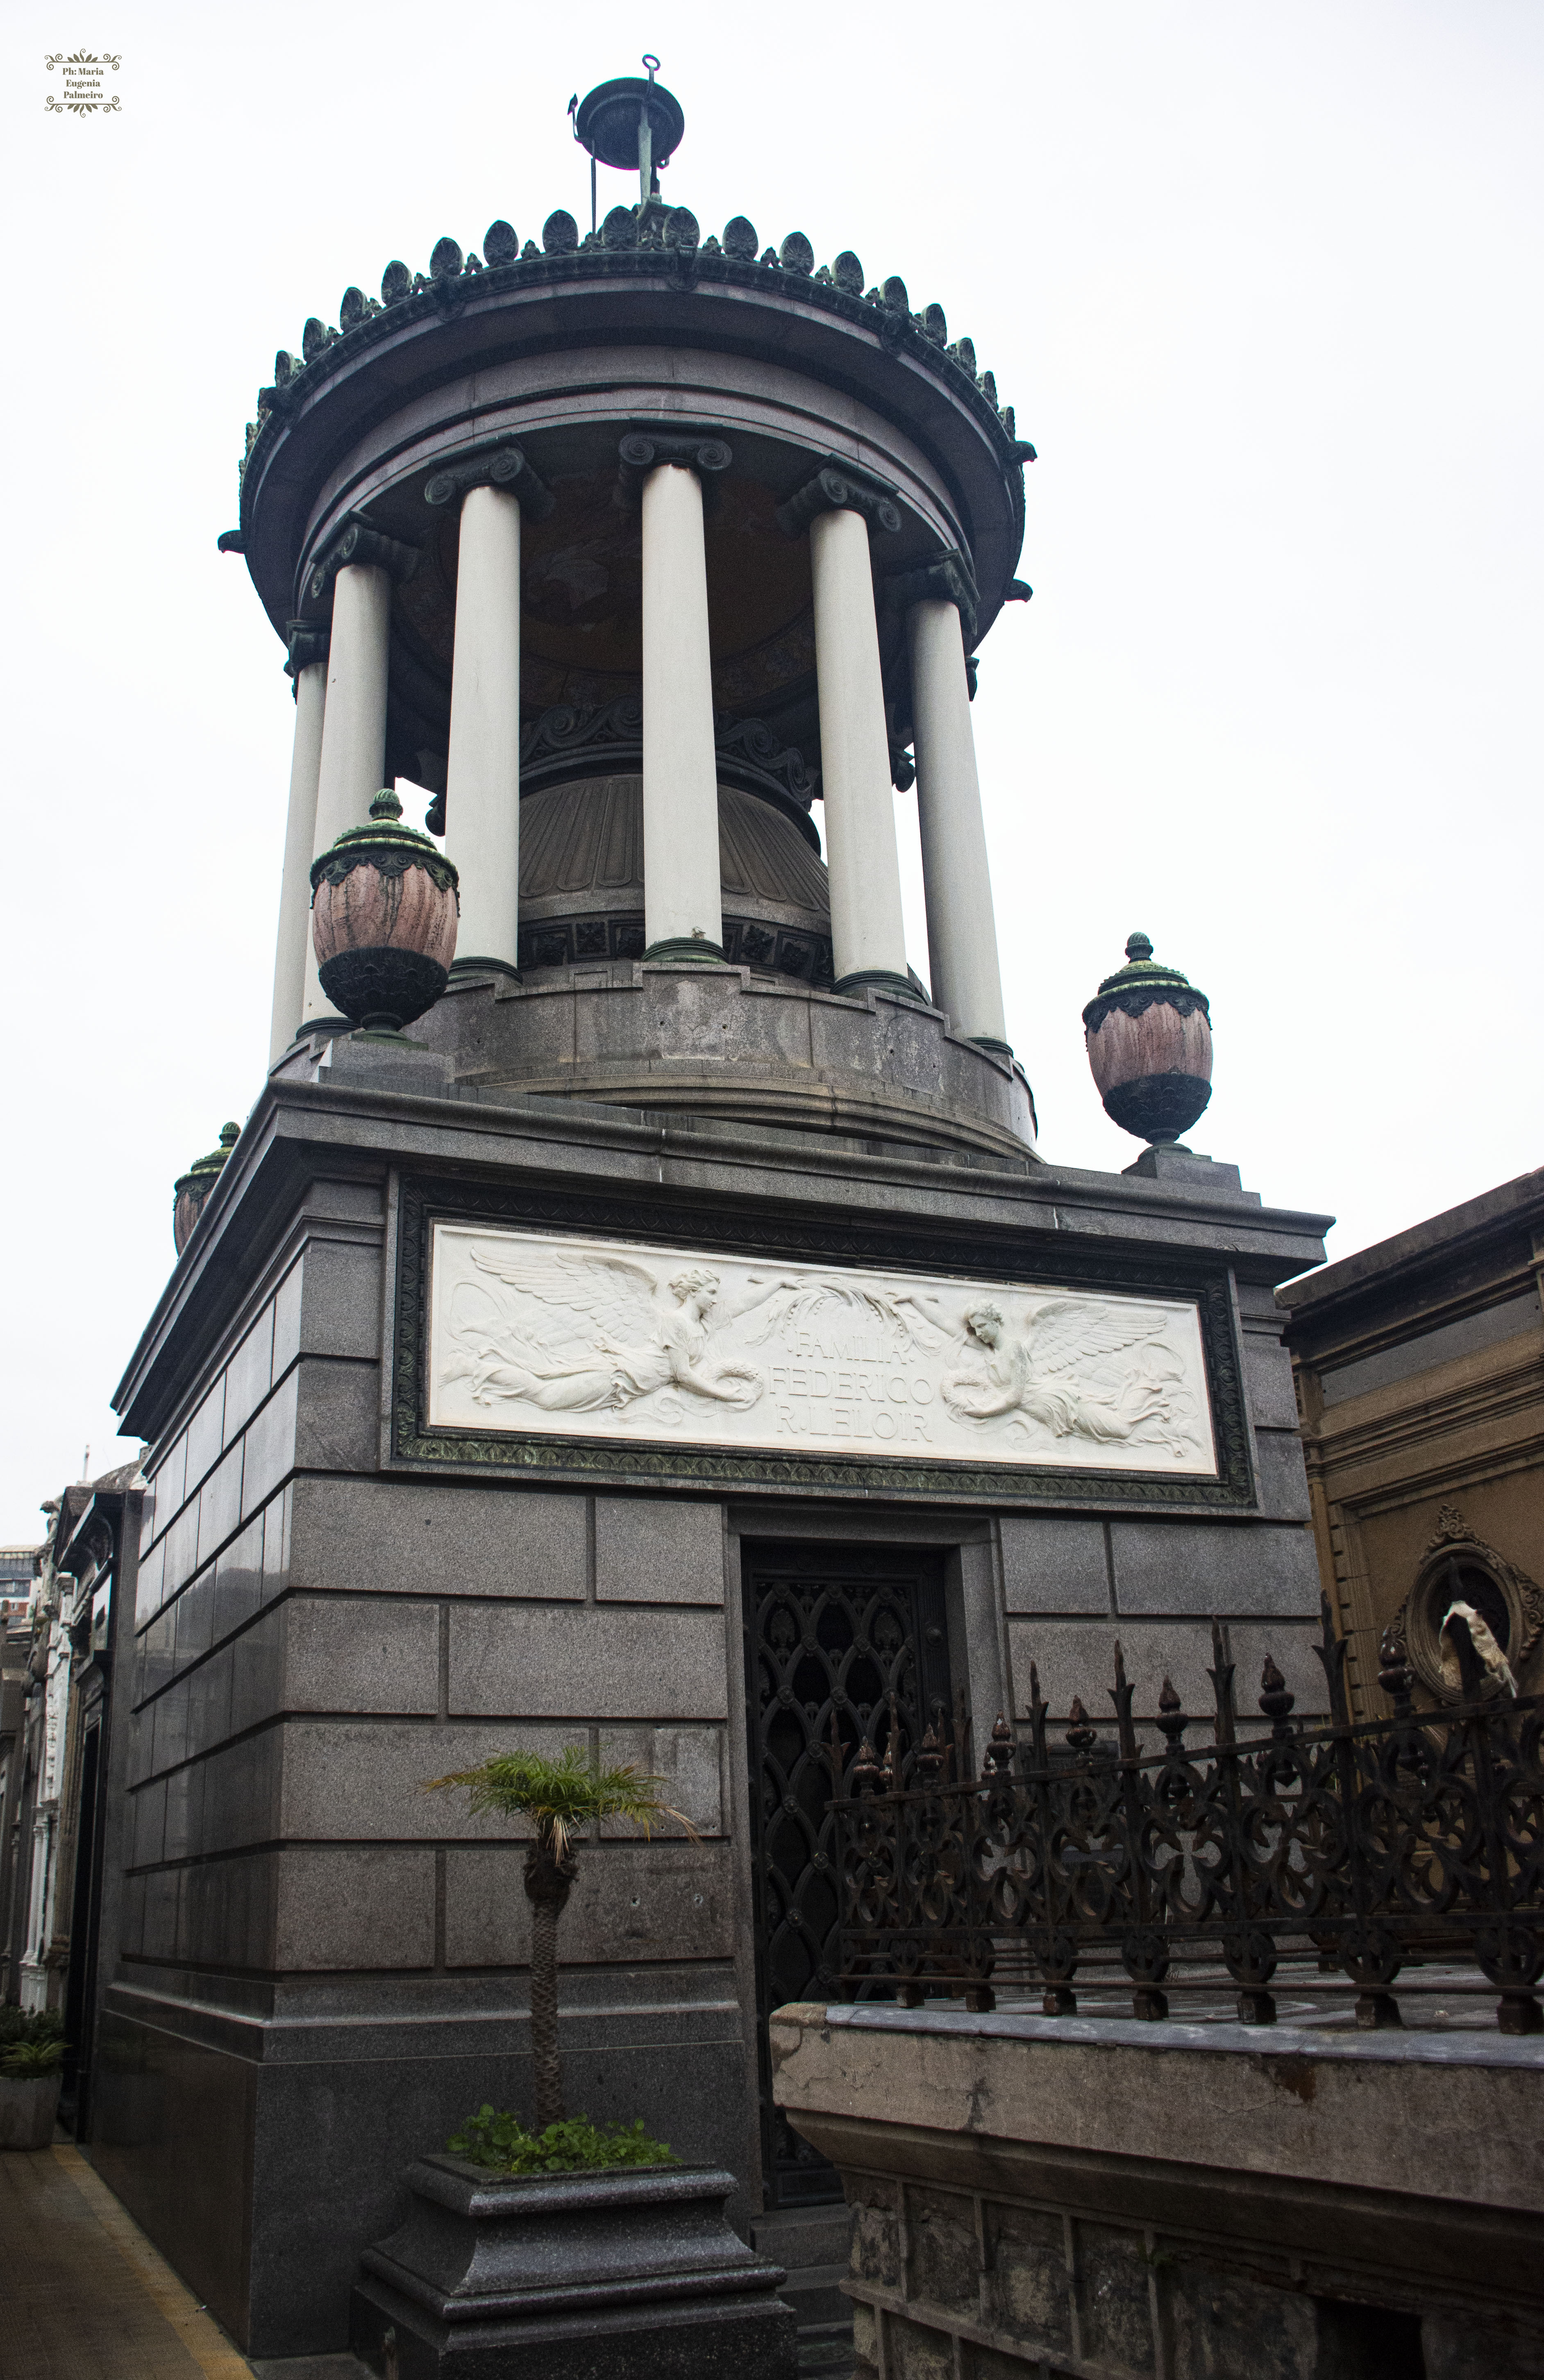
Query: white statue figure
(589,1333)
(1064,1373)
(1497,1666)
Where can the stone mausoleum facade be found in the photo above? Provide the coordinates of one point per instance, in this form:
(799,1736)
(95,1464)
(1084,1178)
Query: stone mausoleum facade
(678,1343)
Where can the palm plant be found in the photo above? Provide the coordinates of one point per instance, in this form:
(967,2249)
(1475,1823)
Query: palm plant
(560,1798)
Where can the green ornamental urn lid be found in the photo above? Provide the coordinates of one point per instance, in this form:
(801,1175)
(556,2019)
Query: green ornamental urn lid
(1143,977)
(203,1170)
(386,843)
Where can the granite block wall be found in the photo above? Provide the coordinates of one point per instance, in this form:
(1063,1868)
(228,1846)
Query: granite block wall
(324,1963)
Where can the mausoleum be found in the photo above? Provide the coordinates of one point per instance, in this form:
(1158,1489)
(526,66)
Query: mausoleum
(674,1339)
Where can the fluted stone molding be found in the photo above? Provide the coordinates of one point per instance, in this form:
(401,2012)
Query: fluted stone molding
(683,915)
(956,882)
(354,729)
(483,780)
(308,665)
(868,933)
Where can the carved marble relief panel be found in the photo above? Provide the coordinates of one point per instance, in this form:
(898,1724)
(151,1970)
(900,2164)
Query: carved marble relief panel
(540,1334)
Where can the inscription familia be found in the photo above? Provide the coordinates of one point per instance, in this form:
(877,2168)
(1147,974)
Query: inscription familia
(534,1333)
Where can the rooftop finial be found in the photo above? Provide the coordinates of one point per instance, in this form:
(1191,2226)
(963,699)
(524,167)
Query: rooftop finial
(630,122)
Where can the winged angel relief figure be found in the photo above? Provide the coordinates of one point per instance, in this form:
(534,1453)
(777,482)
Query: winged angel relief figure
(596,1333)
(1079,1370)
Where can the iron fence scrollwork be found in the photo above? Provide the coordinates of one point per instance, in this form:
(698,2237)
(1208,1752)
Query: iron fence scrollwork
(1415,1835)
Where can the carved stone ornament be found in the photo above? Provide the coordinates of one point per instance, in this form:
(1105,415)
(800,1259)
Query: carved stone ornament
(1458,1566)
(642,451)
(499,464)
(308,641)
(839,486)
(538,1333)
(360,544)
(950,579)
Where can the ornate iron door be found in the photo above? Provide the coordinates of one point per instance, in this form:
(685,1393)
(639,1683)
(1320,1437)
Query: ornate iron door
(853,1634)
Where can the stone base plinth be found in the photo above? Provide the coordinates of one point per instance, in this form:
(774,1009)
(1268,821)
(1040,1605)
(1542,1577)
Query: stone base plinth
(726,1041)
(1207,2202)
(569,2277)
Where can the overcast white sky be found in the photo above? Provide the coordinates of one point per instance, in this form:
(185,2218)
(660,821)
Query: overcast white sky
(1262,282)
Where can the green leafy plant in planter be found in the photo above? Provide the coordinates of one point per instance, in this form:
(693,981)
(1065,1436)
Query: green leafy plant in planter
(30,2024)
(25,2062)
(500,2142)
(559,1798)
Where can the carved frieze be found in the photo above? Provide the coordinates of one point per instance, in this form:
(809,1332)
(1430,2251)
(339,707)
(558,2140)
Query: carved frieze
(537,1334)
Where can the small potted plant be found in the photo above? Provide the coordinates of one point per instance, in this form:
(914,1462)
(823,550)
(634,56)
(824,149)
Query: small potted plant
(31,2060)
(569,2238)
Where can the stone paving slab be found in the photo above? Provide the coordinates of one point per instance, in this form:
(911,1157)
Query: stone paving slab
(83,2295)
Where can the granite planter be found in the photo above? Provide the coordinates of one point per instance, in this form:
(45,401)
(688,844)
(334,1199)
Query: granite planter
(1149,1037)
(610,2276)
(28,2107)
(383,919)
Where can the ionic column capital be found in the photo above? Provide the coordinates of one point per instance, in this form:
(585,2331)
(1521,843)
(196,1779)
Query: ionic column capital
(949,579)
(360,543)
(306,642)
(642,451)
(497,463)
(839,486)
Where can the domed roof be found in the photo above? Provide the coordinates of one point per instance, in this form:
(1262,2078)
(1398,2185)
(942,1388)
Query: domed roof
(581,880)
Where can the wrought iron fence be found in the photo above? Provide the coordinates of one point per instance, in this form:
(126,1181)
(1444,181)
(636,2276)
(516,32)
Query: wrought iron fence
(1411,1837)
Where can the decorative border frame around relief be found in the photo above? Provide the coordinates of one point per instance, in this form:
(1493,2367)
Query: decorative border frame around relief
(425,1199)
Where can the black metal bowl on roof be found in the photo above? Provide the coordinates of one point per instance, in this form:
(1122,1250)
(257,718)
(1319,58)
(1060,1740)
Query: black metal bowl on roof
(606,123)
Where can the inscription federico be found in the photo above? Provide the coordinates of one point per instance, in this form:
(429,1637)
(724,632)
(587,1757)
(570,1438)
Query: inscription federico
(534,1333)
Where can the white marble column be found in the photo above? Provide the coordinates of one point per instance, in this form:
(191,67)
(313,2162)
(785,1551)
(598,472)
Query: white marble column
(866,931)
(482,788)
(683,902)
(354,729)
(962,936)
(295,892)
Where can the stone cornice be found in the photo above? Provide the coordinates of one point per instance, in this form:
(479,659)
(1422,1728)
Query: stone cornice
(580,273)
(629,245)
(500,462)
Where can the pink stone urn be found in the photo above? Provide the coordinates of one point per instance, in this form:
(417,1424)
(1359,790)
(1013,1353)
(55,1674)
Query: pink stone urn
(1149,1037)
(384,906)
(191,1189)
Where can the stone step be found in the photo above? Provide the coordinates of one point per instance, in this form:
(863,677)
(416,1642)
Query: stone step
(804,2235)
(828,2352)
(811,2244)
(815,2293)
